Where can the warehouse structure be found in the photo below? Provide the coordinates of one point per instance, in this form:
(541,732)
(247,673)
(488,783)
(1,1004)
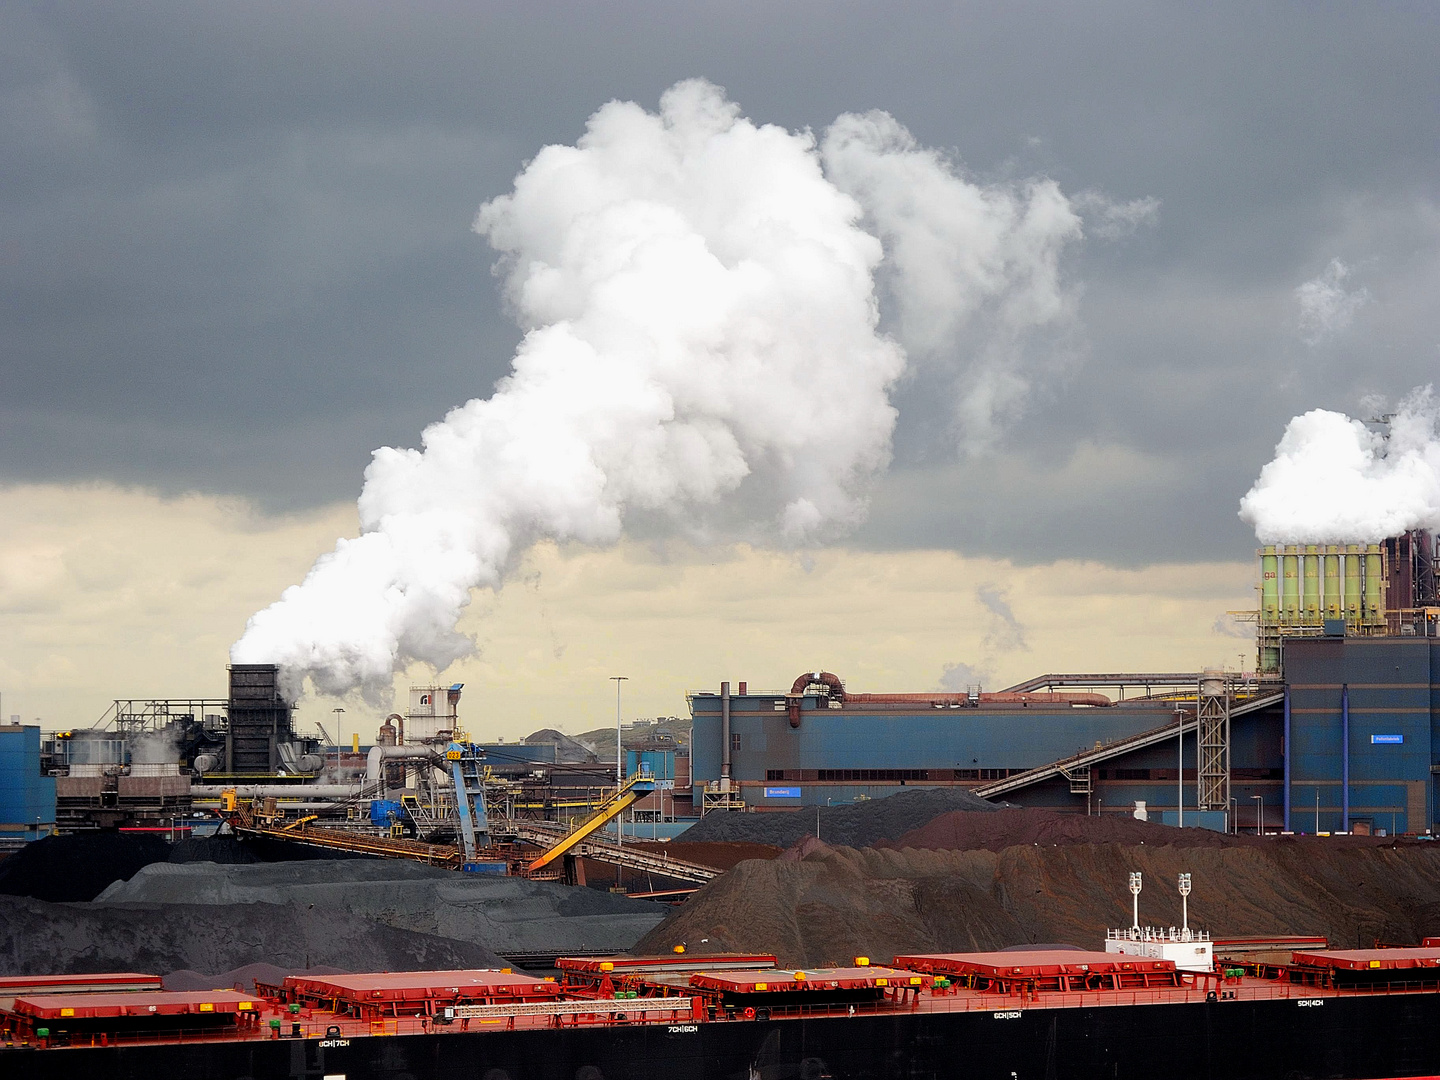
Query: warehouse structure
(1339,731)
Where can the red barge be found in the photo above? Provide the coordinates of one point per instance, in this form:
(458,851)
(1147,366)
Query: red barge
(1008,1016)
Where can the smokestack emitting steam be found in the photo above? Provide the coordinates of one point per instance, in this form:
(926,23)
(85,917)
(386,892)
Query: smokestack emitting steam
(1335,481)
(702,343)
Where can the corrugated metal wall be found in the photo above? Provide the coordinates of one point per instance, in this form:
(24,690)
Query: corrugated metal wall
(26,797)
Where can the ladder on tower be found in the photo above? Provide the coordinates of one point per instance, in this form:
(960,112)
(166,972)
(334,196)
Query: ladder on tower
(467,770)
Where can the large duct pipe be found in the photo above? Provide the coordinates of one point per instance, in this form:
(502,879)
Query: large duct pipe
(1334,600)
(1311,581)
(1352,584)
(277,791)
(380,754)
(1290,595)
(1269,587)
(725,734)
(1374,585)
(839,693)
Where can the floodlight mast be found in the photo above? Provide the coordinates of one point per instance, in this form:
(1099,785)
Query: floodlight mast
(1185,906)
(1135,900)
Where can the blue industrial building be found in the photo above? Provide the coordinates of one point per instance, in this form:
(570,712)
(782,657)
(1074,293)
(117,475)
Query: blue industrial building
(27,796)
(1345,741)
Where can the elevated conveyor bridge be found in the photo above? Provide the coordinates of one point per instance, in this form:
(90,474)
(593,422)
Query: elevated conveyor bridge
(1077,768)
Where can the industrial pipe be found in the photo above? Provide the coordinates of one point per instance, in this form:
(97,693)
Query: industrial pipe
(1269,587)
(1334,599)
(1352,584)
(379,754)
(399,727)
(1285,753)
(838,691)
(1290,589)
(277,791)
(1374,585)
(1311,581)
(1345,757)
(725,733)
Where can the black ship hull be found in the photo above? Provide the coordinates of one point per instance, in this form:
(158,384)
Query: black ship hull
(1360,1037)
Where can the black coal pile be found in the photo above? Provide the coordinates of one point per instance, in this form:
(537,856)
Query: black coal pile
(226,850)
(78,866)
(37,938)
(853,825)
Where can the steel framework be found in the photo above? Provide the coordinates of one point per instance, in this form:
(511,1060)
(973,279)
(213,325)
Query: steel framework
(1213,736)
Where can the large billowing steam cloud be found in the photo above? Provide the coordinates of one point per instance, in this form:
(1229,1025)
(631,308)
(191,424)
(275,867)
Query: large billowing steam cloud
(703,344)
(1335,481)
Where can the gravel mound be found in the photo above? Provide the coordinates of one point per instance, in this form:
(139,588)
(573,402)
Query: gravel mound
(860,824)
(37,938)
(829,904)
(78,866)
(963,830)
(507,915)
(966,831)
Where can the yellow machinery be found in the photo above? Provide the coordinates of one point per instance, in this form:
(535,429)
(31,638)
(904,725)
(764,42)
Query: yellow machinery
(637,787)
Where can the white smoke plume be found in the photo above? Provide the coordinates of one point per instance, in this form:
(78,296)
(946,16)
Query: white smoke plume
(1335,481)
(1326,306)
(702,345)
(960,256)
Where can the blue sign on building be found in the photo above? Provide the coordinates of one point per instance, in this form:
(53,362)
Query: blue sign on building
(782,793)
(1386,739)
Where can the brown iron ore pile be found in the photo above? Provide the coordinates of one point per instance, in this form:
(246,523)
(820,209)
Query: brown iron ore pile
(982,881)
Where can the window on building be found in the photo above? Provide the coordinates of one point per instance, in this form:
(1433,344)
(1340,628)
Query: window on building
(734,741)
(774,774)
(1132,774)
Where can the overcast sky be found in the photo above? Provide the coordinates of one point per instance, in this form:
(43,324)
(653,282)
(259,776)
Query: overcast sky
(237,255)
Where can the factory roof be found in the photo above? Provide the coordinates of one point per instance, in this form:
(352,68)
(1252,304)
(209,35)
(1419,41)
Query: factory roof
(851,978)
(153,1003)
(1369,959)
(1031,964)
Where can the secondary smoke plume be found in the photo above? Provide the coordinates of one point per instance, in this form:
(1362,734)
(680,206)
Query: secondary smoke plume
(702,346)
(1335,481)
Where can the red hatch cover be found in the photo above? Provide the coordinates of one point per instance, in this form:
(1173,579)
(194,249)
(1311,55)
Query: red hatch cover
(761,982)
(421,986)
(51,984)
(150,1003)
(1025,965)
(604,965)
(1369,959)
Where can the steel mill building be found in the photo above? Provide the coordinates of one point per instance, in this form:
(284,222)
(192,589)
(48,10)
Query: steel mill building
(1334,732)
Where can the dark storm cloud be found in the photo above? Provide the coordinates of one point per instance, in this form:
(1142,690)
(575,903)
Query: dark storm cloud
(236,247)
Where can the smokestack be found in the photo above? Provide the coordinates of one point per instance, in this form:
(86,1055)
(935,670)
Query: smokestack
(725,736)
(743,688)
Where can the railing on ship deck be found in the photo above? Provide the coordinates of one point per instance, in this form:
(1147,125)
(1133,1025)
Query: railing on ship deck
(610,1012)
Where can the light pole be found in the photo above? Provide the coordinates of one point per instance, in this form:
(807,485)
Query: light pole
(1135,901)
(1259,814)
(619,765)
(619,752)
(338,713)
(1185,907)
